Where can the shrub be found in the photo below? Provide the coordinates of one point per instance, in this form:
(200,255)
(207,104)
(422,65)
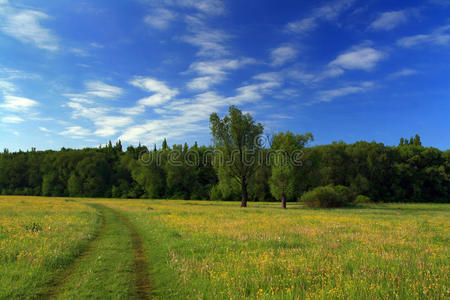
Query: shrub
(361,199)
(328,196)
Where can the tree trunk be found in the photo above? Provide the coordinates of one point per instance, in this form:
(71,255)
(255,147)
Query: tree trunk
(283,201)
(244,192)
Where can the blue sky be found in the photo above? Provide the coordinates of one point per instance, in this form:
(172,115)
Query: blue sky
(80,73)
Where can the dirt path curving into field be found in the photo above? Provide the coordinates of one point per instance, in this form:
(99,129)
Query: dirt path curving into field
(54,287)
(141,282)
(108,218)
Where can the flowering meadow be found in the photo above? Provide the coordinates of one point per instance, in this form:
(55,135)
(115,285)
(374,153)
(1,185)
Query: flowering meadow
(216,250)
(39,237)
(206,250)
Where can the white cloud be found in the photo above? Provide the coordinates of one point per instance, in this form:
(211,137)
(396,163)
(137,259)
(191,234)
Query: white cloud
(102,90)
(160,18)
(25,26)
(329,95)
(203,83)
(360,58)
(43,129)
(283,54)
(302,26)
(76,132)
(440,37)
(7,87)
(12,119)
(206,7)
(330,72)
(213,72)
(327,12)
(389,20)
(105,124)
(402,73)
(210,42)
(269,76)
(182,117)
(14,103)
(162,94)
(109,125)
(152,85)
(136,110)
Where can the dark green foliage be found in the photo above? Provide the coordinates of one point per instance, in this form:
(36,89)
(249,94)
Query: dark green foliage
(328,196)
(408,172)
(361,199)
(236,141)
(286,158)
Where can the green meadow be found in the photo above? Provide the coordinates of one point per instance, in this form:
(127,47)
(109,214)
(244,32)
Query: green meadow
(166,249)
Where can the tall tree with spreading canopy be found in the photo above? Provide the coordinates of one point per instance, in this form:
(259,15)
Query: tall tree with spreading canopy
(235,138)
(285,157)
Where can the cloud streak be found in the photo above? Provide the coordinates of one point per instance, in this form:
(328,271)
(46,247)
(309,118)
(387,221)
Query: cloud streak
(360,58)
(25,26)
(282,55)
(19,104)
(439,37)
(389,20)
(327,12)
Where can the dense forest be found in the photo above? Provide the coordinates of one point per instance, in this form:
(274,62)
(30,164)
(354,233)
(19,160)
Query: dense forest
(408,172)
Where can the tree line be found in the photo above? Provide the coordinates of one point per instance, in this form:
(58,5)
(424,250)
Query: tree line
(242,164)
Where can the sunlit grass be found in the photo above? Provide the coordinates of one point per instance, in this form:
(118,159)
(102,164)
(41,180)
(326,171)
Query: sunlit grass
(207,250)
(38,237)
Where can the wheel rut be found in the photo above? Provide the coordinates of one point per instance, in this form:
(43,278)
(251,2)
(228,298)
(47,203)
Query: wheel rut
(141,279)
(140,283)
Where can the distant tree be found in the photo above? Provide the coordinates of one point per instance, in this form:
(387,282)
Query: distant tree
(417,141)
(284,147)
(234,136)
(165,146)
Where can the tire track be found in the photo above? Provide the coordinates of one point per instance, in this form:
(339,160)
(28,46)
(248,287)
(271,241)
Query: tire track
(141,279)
(54,287)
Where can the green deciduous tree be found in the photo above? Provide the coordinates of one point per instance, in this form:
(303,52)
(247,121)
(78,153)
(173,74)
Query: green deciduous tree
(286,154)
(235,139)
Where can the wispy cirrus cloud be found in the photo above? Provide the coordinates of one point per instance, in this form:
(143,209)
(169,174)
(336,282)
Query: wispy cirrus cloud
(26,26)
(329,95)
(389,20)
(282,55)
(105,122)
(439,36)
(12,119)
(160,18)
(214,71)
(161,94)
(186,116)
(102,90)
(211,42)
(206,7)
(21,104)
(76,132)
(95,89)
(327,12)
(365,58)
(402,73)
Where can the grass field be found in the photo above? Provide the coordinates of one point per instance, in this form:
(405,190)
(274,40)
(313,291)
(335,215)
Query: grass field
(97,248)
